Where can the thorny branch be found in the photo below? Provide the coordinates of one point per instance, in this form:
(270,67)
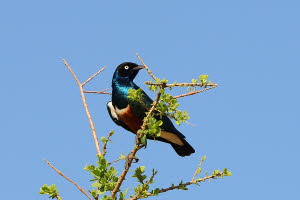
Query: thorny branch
(115,161)
(98,72)
(195,92)
(146,67)
(85,105)
(60,173)
(98,92)
(182,84)
(181,185)
(128,163)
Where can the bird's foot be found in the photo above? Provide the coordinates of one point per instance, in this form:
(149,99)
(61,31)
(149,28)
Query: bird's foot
(135,160)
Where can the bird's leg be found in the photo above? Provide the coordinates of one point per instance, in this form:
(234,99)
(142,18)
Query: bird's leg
(136,160)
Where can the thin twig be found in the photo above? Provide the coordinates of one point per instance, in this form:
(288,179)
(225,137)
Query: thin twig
(98,72)
(195,174)
(146,67)
(115,161)
(98,92)
(60,173)
(195,92)
(182,84)
(181,185)
(105,143)
(85,108)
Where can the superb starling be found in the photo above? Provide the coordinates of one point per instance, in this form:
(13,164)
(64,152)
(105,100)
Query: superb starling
(130,114)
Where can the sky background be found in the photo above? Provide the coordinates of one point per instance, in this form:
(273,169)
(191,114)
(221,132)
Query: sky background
(250,124)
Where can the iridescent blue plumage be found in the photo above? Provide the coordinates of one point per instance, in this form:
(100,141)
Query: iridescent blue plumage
(130,114)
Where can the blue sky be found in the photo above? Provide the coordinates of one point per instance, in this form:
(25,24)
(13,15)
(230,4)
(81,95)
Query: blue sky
(250,124)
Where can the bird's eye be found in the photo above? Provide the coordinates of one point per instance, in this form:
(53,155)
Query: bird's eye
(126,67)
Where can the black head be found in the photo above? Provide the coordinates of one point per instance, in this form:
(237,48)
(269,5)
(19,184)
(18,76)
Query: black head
(127,70)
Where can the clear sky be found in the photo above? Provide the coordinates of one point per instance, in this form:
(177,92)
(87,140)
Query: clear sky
(250,124)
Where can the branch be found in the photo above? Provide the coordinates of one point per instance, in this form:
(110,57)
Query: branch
(98,92)
(98,72)
(60,173)
(85,105)
(181,185)
(195,92)
(146,67)
(105,143)
(182,84)
(128,163)
(115,161)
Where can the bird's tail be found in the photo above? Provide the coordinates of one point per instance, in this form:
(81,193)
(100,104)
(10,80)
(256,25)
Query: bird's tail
(185,150)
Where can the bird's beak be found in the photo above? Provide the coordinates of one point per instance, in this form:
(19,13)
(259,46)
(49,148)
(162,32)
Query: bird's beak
(139,67)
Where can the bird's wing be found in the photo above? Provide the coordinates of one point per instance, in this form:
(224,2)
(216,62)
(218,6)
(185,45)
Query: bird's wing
(114,117)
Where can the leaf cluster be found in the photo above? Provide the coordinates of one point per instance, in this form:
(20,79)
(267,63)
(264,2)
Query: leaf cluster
(50,190)
(152,129)
(142,189)
(168,106)
(135,95)
(222,174)
(104,177)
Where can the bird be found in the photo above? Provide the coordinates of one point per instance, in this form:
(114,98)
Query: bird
(130,114)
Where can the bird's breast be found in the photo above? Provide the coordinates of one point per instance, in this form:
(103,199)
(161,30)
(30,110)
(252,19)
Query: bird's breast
(129,118)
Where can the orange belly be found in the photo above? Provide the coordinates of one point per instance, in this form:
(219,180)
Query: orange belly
(128,117)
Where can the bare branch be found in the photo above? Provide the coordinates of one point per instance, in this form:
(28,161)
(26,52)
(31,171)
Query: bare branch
(92,126)
(181,185)
(98,72)
(98,92)
(146,67)
(74,75)
(115,161)
(195,92)
(183,84)
(60,173)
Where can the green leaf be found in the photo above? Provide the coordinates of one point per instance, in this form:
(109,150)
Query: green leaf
(50,190)
(216,173)
(203,78)
(155,191)
(122,156)
(181,186)
(144,139)
(138,173)
(93,192)
(123,194)
(103,139)
(194,80)
(96,184)
(226,172)
(135,95)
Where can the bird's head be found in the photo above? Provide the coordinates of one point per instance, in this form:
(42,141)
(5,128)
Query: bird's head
(127,71)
